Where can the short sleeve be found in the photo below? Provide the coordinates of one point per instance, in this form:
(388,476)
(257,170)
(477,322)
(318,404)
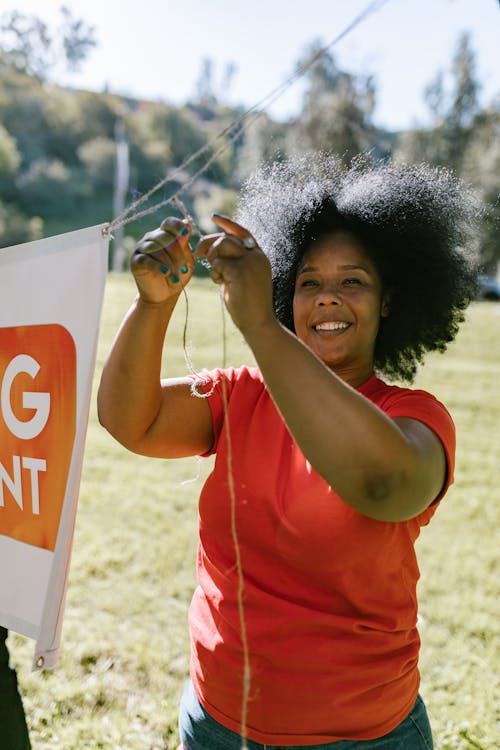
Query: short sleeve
(426,408)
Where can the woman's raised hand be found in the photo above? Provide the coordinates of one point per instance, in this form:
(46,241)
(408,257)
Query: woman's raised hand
(163,262)
(243,271)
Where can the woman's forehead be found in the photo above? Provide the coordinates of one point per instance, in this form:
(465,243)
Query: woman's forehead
(337,247)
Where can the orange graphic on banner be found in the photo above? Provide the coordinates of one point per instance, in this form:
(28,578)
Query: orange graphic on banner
(37,430)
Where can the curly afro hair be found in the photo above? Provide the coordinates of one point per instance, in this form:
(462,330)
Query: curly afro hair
(417,224)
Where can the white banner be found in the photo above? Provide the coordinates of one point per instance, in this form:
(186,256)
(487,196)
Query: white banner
(51,294)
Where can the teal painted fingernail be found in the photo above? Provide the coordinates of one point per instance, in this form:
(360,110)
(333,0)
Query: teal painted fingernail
(184,269)
(184,231)
(163,269)
(174,278)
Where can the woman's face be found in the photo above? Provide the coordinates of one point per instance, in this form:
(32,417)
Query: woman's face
(337,305)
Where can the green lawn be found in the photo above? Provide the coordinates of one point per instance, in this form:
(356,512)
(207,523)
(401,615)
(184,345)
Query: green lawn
(124,654)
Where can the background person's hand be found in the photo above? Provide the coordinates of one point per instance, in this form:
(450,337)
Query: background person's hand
(243,271)
(163,263)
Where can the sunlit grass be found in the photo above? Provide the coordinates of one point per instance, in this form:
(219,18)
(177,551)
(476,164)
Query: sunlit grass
(124,655)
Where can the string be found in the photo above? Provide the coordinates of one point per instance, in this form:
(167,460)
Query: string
(198,380)
(232,496)
(237,549)
(239,125)
(119,222)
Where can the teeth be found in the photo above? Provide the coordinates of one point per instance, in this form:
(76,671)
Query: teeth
(333,326)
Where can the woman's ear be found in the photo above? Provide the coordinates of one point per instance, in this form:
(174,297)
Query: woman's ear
(385,308)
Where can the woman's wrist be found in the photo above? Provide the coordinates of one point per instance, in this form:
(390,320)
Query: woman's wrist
(165,304)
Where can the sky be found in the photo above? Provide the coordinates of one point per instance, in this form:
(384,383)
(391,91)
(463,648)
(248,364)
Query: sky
(153,49)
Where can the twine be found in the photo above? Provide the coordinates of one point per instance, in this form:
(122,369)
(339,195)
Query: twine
(231,132)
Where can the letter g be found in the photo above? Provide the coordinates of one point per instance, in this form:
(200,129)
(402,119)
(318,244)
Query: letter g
(40,402)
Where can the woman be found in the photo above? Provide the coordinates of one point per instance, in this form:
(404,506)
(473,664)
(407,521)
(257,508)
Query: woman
(331,275)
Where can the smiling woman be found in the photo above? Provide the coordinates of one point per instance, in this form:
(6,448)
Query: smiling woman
(304,623)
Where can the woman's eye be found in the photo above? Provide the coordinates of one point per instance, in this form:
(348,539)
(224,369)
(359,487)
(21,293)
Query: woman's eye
(309,282)
(352,281)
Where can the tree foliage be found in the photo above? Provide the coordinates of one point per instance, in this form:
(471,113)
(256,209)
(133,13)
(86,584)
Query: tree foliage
(464,137)
(15,227)
(28,45)
(10,157)
(58,145)
(481,167)
(58,152)
(337,109)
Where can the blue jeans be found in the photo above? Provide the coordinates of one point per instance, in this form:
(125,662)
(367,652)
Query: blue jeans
(198,731)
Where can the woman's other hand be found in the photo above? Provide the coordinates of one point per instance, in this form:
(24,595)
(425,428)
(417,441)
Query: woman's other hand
(243,270)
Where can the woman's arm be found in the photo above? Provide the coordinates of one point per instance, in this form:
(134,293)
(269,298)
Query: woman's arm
(143,413)
(387,469)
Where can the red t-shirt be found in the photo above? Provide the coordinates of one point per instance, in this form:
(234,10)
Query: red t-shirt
(329,594)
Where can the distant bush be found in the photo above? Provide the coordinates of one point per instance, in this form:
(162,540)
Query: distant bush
(16,228)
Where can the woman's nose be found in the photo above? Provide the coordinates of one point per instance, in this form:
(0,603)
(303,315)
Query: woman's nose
(327,297)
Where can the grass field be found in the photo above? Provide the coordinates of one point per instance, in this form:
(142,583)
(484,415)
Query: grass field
(124,655)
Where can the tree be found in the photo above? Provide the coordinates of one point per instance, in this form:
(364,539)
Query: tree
(453,101)
(46,184)
(16,228)
(264,140)
(462,137)
(208,93)
(10,158)
(465,103)
(205,87)
(28,46)
(77,39)
(337,109)
(481,167)
(22,111)
(98,156)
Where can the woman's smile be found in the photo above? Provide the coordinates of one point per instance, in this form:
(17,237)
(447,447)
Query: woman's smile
(330,325)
